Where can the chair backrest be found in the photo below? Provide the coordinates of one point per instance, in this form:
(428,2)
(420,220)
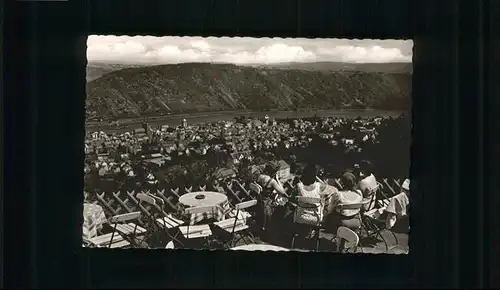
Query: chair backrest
(347,235)
(125,217)
(143,197)
(200,209)
(309,200)
(158,200)
(357,205)
(255,187)
(245,204)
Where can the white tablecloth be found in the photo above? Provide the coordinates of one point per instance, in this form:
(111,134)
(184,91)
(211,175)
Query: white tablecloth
(209,199)
(93,219)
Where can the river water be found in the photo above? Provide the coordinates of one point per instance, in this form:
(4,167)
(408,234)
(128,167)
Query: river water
(197,118)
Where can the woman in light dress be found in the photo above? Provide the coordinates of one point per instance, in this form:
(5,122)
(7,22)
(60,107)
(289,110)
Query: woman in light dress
(309,214)
(335,216)
(368,184)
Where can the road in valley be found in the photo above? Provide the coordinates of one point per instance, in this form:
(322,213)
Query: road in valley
(197,118)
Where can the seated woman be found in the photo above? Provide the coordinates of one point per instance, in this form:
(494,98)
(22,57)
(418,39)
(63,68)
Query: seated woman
(309,186)
(266,197)
(399,208)
(368,184)
(334,216)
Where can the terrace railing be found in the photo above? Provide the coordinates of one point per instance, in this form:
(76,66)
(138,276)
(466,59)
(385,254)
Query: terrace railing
(125,201)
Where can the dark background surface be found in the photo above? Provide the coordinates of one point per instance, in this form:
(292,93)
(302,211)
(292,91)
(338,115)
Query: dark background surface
(44,81)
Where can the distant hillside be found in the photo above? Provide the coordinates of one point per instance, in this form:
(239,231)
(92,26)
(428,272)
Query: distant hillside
(196,87)
(97,70)
(396,67)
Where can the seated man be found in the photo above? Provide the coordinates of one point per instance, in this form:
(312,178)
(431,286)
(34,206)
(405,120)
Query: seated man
(399,207)
(335,216)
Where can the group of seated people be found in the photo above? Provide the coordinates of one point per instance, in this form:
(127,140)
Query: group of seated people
(359,186)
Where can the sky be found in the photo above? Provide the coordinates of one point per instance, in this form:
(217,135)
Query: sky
(243,50)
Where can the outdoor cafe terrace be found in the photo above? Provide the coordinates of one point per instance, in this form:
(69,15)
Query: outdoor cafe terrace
(168,204)
(117,212)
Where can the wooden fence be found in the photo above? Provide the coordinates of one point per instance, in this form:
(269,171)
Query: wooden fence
(125,202)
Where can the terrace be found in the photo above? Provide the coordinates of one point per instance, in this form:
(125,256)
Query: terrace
(167,204)
(199,159)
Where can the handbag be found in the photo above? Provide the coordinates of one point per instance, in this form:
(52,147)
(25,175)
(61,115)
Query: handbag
(279,200)
(276,199)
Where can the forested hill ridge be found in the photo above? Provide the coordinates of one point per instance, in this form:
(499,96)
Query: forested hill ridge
(96,70)
(198,87)
(392,67)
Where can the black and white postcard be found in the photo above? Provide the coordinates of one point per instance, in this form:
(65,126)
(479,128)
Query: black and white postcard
(235,143)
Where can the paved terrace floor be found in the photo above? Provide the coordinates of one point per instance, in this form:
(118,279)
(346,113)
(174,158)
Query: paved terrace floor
(368,246)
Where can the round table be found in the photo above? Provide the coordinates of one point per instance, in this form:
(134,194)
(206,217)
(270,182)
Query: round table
(260,247)
(203,198)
